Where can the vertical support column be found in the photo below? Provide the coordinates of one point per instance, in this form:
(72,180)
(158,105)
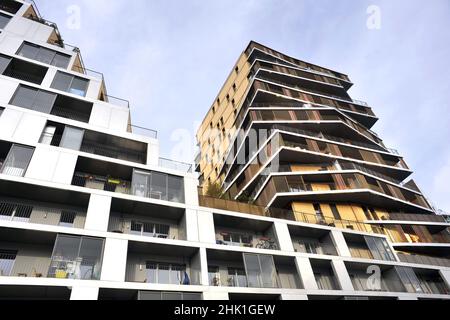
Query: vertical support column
(306,272)
(204,281)
(206,228)
(153,153)
(84,293)
(341,274)
(190,190)
(340,243)
(283,236)
(190,223)
(98,213)
(445,274)
(114,260)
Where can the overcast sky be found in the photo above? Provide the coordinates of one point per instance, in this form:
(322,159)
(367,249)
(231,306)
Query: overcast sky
(171,57)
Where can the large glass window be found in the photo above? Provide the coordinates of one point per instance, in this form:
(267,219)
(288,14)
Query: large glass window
(7,259)
(158,186)
(4,63)
(17,161)
(34,99)
(69,83)
(154,295)
(260,270)
(4,19)
(150,229)
(409,279)
(72,138)
(76,258)
(44,55)
(379,248)
(166,273)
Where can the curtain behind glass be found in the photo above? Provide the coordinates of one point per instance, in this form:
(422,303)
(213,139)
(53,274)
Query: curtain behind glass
(72,138)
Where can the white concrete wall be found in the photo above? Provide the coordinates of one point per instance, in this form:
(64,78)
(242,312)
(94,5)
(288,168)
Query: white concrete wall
(51,164)
(445,274)
(340,243)
(107,116)
(206,229)
(214,295)
(341,273)
(98,213)
(290,297)
(191,191)
(191,225)
(84,293)
(153,153)
(306,273)
(283,236)
(21,126)
(114,260)
(8,88)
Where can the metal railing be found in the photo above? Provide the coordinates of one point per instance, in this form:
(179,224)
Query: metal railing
(420,259)
(143,131)
(175,165)
(416,217)
(88,72)
(117,101)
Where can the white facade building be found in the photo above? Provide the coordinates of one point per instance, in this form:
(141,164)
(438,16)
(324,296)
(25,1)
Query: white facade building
(88,210)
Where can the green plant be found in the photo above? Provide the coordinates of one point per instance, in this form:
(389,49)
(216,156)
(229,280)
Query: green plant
(214,190)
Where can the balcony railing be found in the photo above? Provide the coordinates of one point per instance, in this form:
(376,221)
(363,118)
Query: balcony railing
(88,72)
(63,112)
(117,101)
(143,131)
(420,259)
(175,165)
(416,217)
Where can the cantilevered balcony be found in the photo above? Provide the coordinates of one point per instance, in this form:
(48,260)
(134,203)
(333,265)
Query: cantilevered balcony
(52,103)
(111,177)
(244,270)
(22,70)
(369,247)
(147,220)
(46,255)
(156,264)
(312,241)
(248,233)
(281,190)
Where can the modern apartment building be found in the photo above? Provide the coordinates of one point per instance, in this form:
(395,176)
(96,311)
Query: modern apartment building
(89,209)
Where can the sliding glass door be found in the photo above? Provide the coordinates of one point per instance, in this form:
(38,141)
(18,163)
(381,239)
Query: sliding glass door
(17,161)
(261,271)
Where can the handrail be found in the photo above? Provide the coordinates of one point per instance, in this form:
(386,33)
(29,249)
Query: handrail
(175,165)
(143,131)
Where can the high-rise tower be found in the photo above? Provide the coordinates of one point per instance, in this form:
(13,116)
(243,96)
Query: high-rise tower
(285,135)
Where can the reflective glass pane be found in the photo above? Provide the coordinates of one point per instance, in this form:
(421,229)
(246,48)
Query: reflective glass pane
(4,19)
(176,189)
(17,161)
(44,101)
(61,61)
(159,186)
(45,55)
(140,183)
(151,272)
(164,274)
(72,138)
(253,270)
(91,258)
(4,62)
(62,81)
(79,86)
(65,263)
(268,272)
(24,97)
(28,51)
(7,259)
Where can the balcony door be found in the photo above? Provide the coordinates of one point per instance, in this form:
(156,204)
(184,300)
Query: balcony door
(17,161)
(261,271)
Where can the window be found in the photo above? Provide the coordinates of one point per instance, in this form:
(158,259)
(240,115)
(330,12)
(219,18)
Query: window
(379,248)
(10,6)
(228,97)
(166,273)
(409,279)
(15,212)
(76,258)
(260,270)
(214,276)
(236,239)
(150,229)
(72,138)
(67,219)
(17,161)
(237,278)
(7,259)
(4,63)
(44,55)
(33,99)
(158,186)
(234,87)
(236,69)
(69,83)
(4,19)
(214,110)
